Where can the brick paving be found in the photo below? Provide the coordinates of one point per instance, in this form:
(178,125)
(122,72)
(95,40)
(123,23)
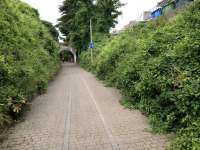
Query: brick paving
(79,113)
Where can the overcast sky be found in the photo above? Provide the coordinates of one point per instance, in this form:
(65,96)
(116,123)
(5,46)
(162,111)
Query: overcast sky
(133,9)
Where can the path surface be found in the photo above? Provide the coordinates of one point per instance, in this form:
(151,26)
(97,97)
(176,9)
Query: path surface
(79,113)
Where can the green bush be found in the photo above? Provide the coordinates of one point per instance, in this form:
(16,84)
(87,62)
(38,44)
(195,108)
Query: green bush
(188,138)
(156,65)
(28,57)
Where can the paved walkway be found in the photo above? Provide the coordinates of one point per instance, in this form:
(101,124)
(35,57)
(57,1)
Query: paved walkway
(79,113)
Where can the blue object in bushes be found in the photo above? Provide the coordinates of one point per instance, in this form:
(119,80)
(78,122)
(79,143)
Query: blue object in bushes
(156,13)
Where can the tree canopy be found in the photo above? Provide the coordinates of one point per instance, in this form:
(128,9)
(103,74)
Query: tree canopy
(52,29)
(75,20)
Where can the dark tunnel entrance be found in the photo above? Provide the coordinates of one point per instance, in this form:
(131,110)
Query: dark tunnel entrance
(66,56)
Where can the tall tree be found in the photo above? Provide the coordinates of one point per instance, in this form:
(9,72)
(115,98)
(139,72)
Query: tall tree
(76,15)
(106,14)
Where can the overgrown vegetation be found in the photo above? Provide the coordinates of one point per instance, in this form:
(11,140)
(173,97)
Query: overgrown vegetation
(28,57)
(156,65)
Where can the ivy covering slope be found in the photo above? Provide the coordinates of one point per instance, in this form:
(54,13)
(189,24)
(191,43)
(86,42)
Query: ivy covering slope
(28,57)
(157,67)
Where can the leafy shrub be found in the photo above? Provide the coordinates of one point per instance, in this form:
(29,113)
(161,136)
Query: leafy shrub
(156,64)
(28,57)
(188,138)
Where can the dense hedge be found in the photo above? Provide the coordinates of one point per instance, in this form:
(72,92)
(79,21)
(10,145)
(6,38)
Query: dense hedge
(157,66)
(28,57)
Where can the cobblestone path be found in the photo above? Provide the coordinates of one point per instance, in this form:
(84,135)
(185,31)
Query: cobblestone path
(79,113)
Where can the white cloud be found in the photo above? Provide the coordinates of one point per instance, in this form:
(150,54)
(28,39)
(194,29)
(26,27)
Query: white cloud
(49,11)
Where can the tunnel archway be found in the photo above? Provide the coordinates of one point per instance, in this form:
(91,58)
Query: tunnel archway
(71,52)
(66,56)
